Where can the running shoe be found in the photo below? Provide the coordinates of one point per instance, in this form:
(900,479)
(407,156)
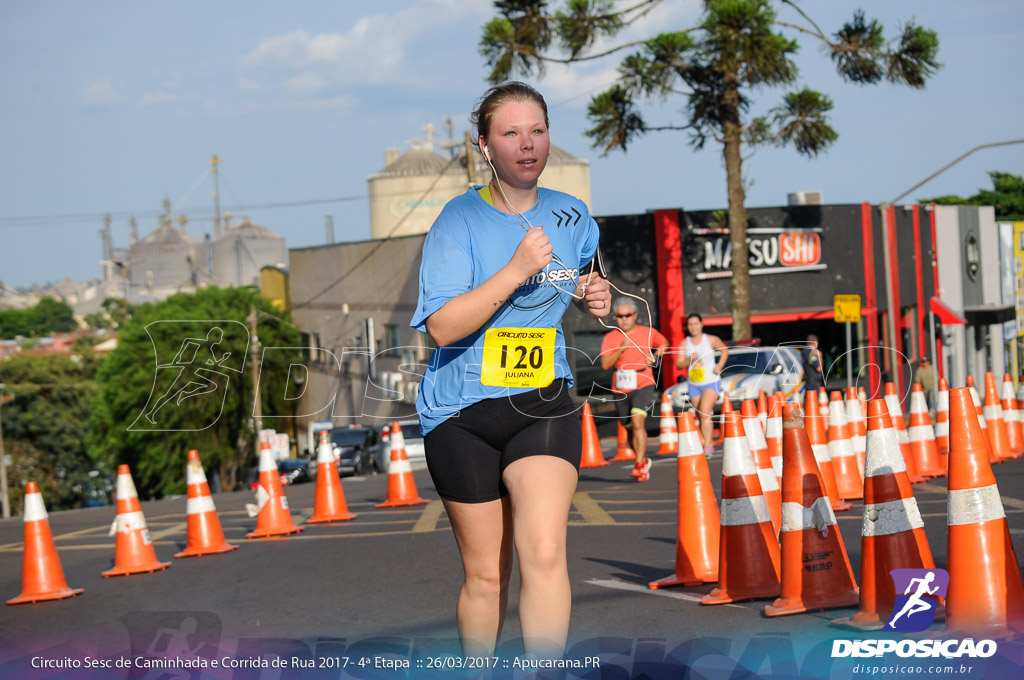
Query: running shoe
(708,450)
(647,469)
(637,471)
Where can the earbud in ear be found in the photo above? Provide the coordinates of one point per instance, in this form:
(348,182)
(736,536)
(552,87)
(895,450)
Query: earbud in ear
(486,152)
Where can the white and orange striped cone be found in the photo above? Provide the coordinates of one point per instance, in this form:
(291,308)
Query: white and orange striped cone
(979,406)
(942,421)
(922,438)
(401,485)
(329,504)
(892,402)
(623,451)
(998,438)
(42,576)
(773,433)
(592,455)
(816,571)
(823,403)
(1012,417)
(748,553)
(765,474)
(849,479)
(133,550)
(986,593)
(697,515)
(858,431)
(815,426)
(204,537)
(762,410)
(862,397)
(668,436)
(273,518)
(892,531)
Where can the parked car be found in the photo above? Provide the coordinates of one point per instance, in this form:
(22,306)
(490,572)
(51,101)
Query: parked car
(413,445)
(749,370)
(294,471)
(357,449)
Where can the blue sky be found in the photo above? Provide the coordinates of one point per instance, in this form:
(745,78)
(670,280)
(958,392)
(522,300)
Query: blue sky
(112,106)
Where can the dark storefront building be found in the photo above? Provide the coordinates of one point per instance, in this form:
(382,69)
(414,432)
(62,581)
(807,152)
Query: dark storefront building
(800,258)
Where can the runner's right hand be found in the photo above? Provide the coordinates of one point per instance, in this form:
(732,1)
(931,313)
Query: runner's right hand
(532,254)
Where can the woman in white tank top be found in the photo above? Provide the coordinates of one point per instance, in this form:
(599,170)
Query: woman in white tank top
(698,355)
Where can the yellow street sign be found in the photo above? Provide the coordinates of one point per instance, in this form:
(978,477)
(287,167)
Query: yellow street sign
(847,308)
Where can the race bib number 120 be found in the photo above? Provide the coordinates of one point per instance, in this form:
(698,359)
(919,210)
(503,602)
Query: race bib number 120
(518,357)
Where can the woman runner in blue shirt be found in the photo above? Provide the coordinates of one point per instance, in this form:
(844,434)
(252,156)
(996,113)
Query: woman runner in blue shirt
(502,435)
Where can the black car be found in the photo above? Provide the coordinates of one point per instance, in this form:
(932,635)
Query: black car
(356,447)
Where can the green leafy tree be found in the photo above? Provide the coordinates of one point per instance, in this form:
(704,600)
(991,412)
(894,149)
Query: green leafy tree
(46,425)
(130,385)
(1007,195)
(47,316)
(738,47)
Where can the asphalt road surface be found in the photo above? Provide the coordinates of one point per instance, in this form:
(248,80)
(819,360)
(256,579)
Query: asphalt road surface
(382,588)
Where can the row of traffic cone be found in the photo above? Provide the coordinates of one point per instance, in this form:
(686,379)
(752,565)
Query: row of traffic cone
(812,569)
(43,575)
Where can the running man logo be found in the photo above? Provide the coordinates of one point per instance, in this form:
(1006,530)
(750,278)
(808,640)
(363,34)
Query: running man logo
(915,608)
(194,367)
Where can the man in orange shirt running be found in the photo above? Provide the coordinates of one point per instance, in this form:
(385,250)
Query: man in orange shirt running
(632,350)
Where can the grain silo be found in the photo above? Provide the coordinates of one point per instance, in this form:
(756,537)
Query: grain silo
(163,259)
(240,252)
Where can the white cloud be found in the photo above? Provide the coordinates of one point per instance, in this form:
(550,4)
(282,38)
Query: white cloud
(101,93)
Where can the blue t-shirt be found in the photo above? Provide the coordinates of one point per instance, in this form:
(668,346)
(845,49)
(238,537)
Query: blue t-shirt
(469,242)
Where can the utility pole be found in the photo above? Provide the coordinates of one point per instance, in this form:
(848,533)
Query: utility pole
(257,411)
(216,195)
(6,503)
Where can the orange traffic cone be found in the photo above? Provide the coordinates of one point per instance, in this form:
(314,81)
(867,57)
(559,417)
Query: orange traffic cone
(592,455)
(942,421)
(401,485)
(765,473)
(892,402)
(1012,417)
(697,515)
(858,431)
(819,446)
(892,533)
(133,551)
(204,536)
(718,433)
(823,403)
(986,594)
(849,479)
(979,407)
(773,434)
(330,505)
(816,571)
(42,576)
(623,451)
(762,409)
(998,439)
(669,438)
(273,518)
(922,437)
(748,553)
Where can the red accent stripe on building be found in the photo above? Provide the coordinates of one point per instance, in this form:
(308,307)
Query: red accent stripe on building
(870,295)
(918,271)
(894,268)
(669,249)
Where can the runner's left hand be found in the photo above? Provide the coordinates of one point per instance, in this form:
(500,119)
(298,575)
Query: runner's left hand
(597,295)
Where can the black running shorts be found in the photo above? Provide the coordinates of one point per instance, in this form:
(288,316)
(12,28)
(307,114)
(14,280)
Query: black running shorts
(467,453)
(639,401)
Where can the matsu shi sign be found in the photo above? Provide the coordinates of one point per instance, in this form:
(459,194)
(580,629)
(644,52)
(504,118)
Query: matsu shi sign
(771,251)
